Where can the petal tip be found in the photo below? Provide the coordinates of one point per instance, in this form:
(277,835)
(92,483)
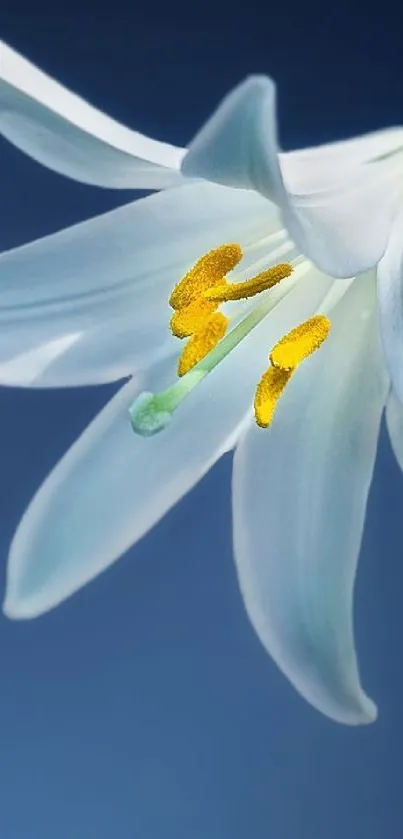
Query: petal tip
(24,601)
(365,713)
(20,608)
(346,705)
(237,146)
(369,712)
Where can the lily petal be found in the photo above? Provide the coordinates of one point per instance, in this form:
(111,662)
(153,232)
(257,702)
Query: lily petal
(90,304)
(341,223)
(394,424)
(65,133)
(321,167)
(112,486)
(299,498)
(390,298)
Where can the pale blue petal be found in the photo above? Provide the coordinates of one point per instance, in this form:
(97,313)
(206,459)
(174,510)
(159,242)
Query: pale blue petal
(337,204)
(394,424)
(237,146)
(318,168)
(65,133)
(90,304)
(390,297)
(112,485)
(300,492)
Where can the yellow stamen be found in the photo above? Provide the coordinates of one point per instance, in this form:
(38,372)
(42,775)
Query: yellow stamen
(150,413)
(208,271)
(202,342)
(300,342)
(240,291)
(268,392)
(285,357)
(190,319)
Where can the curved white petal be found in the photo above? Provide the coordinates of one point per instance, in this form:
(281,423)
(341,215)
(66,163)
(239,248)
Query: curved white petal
(394,424)
(89,304)
(237,146)
(65,133)
(300,492)
(113,486)
(390,298)
(320,167)
(345,230)
(341,221)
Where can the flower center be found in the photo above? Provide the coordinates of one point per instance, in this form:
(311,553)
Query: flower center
(196,300)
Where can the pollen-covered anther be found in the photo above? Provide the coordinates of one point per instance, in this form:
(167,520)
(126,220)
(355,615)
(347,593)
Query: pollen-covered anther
(285,357)
(202,342)
(300,342)
(268,392)
(191,318)
(208,271)
(224,292)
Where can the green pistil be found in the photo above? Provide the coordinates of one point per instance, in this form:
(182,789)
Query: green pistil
(151,413)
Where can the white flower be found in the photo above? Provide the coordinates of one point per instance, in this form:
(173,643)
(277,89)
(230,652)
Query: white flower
(90,305)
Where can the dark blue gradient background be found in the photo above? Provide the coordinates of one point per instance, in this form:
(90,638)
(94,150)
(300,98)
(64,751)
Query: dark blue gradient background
(145,706)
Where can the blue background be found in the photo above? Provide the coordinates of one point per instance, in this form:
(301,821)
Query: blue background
(145,706)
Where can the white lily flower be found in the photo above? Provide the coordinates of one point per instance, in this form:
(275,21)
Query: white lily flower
(90,304)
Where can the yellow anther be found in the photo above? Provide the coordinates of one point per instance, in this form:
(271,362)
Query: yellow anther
(285,357)
(190,319)
(208,271)
(240,291)
(268,392)
(202,342)
(300,342)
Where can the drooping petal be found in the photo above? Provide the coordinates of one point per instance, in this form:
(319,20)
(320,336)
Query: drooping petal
(89,304)
(299,499)
(112,485)
(390,298)
(394,424)
(341,221)
(65,133)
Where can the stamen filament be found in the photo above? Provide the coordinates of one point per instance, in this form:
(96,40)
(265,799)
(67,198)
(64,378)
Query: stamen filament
(266,242)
